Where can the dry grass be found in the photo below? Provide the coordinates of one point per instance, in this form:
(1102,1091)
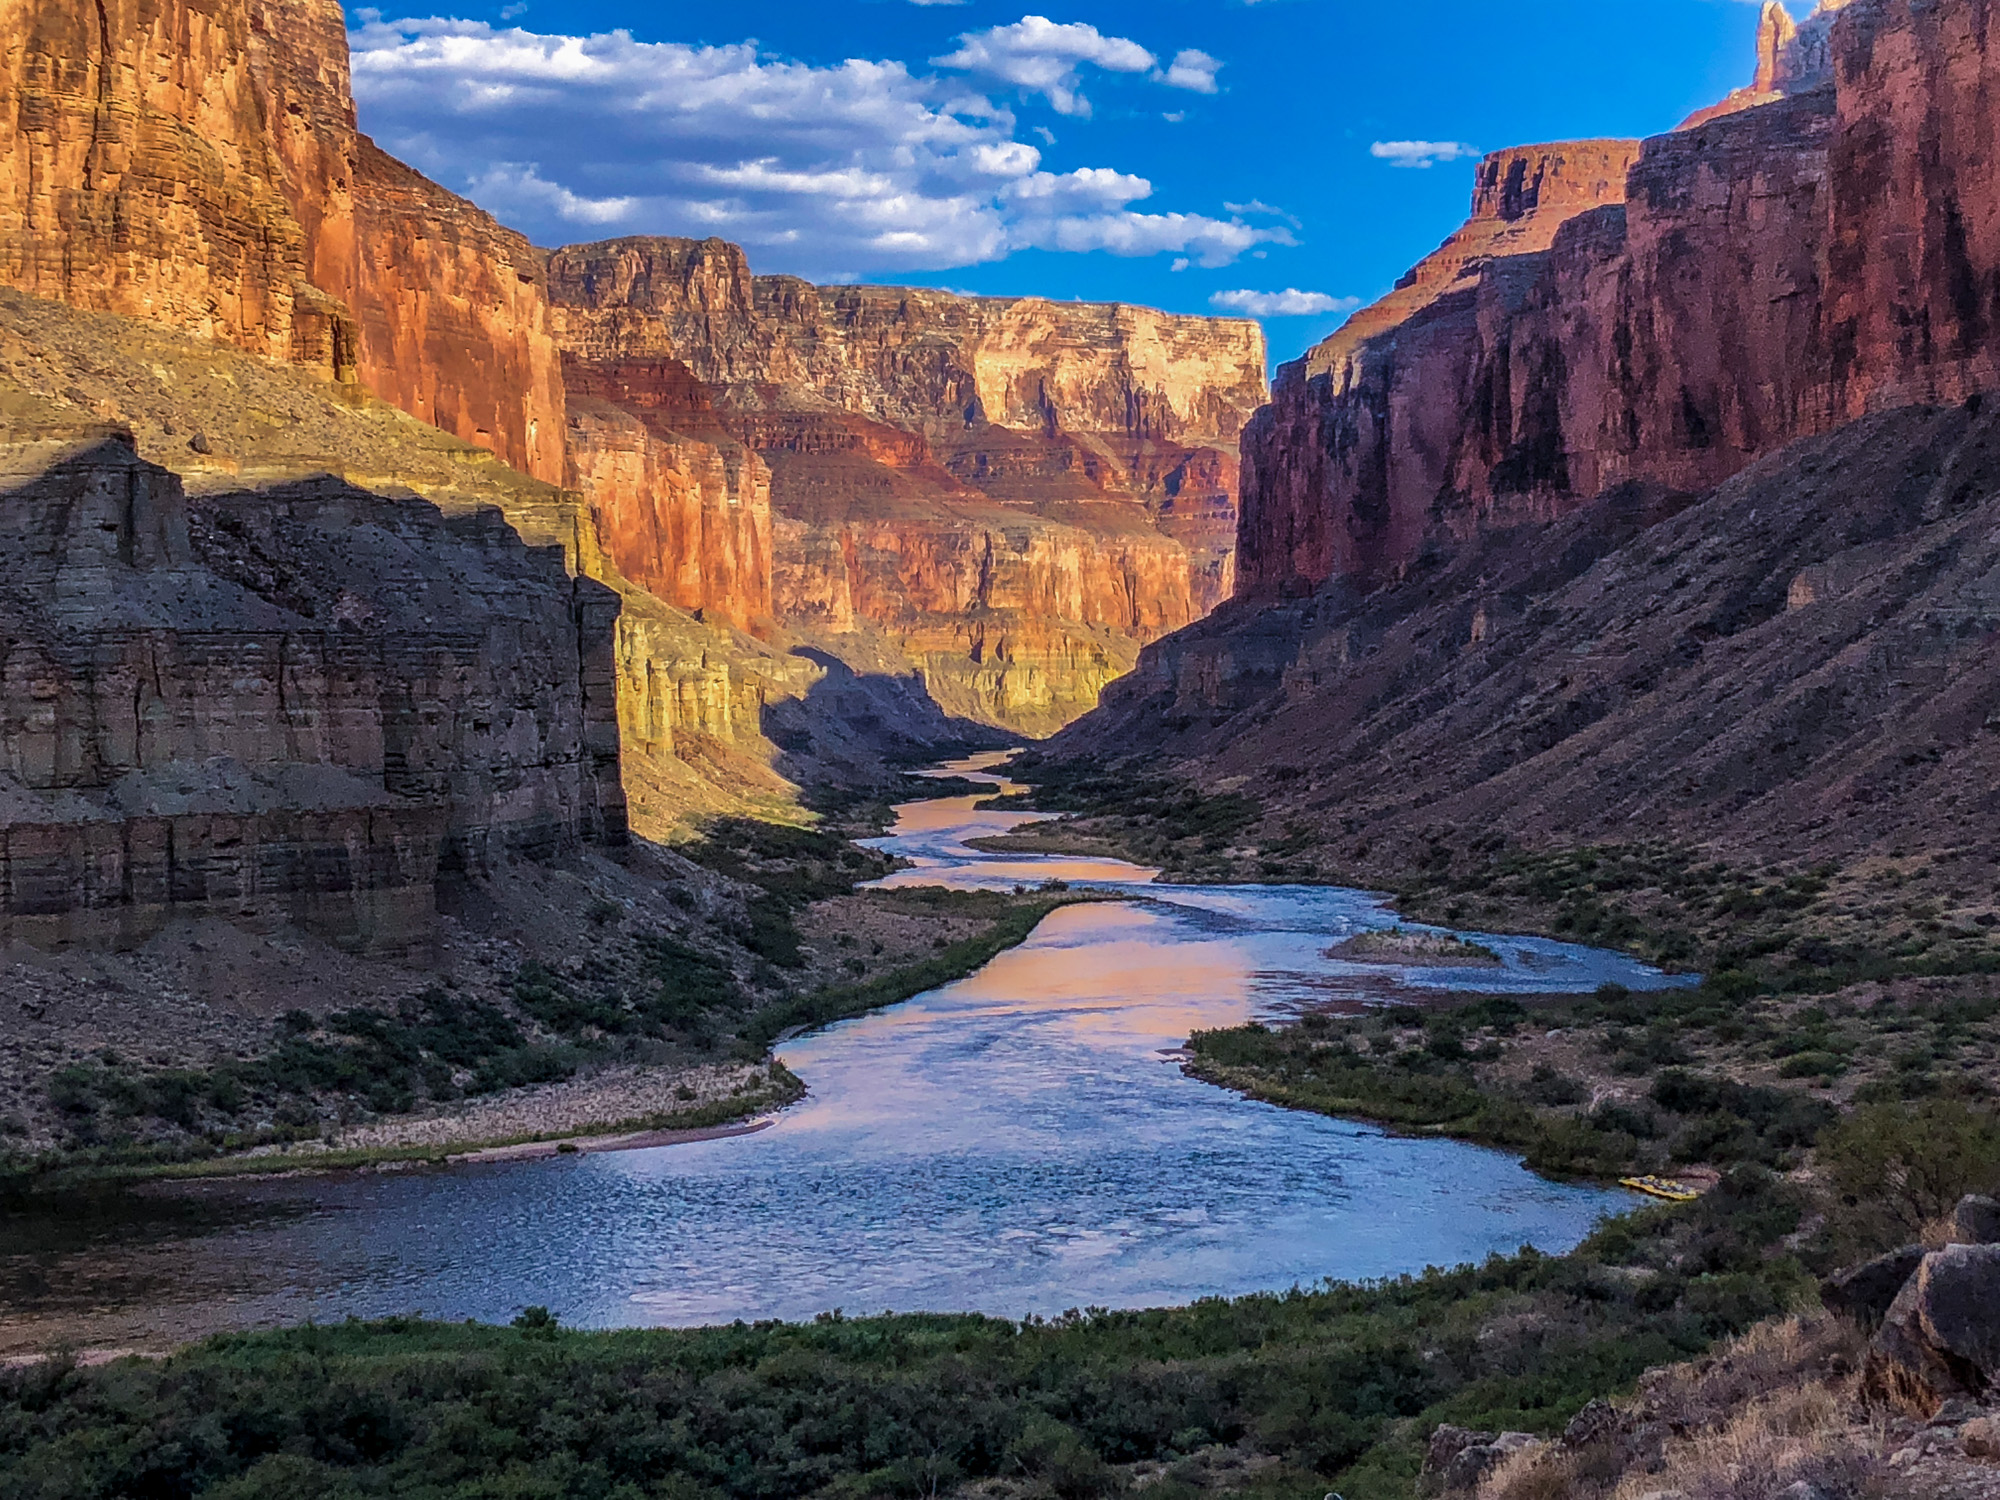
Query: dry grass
(1775,1407)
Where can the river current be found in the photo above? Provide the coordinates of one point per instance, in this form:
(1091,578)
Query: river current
(1022,1141)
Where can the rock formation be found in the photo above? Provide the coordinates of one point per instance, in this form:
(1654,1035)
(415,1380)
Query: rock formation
(1765,276)
(198,165)
(284,696)
(1941,1339)
(1343,472)
(1019,492)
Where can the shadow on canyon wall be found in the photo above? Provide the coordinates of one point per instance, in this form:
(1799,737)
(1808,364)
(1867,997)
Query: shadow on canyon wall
(857,730)
(293,703)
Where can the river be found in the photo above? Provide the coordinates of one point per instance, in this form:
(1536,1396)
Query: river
(1023,1141)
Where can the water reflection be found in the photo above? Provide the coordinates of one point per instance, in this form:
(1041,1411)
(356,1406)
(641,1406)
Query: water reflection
(1022,1141)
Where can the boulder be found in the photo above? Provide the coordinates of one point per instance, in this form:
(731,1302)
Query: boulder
(1976,1220)
(1442,1452)
(1596,1423)
(1980,1438)
(1940,1339)
(1865,1292)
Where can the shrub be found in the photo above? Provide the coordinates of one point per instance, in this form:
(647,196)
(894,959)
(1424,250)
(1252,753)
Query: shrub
(1898,1166)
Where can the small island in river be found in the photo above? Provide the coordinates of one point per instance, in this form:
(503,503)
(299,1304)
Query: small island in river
(1420,949)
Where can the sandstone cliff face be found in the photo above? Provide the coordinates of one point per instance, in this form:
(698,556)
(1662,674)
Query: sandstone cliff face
(1913,256)
(1343,472)
(1762,277)
(136,177)
(1021,492)
(451,320)
(197,165)
(687,521)
(284,702)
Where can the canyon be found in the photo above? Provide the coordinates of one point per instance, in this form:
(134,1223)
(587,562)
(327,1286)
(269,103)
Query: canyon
(1017,493)
(795,533)
(1654,506)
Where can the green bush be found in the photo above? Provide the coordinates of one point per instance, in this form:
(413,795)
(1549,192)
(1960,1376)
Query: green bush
(1897,1166)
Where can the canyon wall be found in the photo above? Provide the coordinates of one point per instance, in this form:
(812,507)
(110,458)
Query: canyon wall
(1020,492)
(276,701)
(1766,274)
(197,165)
(136,175)
(1673,520)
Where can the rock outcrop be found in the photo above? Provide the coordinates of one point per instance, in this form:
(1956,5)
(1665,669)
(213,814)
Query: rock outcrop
(198,166)
(1941,1339)
(1765,276)
(279,702)
(1021,493)
(1866,1292)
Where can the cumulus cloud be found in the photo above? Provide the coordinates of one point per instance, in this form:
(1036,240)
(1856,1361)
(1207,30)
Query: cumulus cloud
(1044,58)
(1192,70)
(1290,303)
(1422,154)
(821,171)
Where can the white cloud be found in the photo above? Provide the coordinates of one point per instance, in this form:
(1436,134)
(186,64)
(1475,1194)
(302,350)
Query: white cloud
(1290,303)
(1192,70)
(1042,57)
(863,167)
(1424,154)
(1258,208)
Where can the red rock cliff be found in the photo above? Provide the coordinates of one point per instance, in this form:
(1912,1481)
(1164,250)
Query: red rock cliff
(1021,492)
(136,175)
(197,165)
(1761,277)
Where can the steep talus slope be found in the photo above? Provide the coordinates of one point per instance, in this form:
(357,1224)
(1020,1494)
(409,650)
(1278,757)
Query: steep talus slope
(1680,525)
(1019,493)
(1804,659)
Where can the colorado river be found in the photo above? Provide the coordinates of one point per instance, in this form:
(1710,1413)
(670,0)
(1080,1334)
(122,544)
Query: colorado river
(1022,1141)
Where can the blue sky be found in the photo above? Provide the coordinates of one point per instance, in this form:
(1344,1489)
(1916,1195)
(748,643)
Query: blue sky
(1186,154)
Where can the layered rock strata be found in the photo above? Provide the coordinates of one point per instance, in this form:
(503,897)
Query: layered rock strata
(1762,277)
(198,165)
(295,702)
(1019,492)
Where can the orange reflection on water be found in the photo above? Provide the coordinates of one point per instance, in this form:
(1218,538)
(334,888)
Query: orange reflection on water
(1111,970)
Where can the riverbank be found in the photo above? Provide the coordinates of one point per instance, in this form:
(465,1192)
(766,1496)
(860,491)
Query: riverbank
(537,1060)
(1831,987)
(1264,1396)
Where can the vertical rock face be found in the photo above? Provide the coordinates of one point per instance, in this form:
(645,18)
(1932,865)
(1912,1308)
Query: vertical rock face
(1020,492)
(452,323)
(1913,260)
(1767,275)
(1343,472)
(688,521)
(197,165)
(136,177)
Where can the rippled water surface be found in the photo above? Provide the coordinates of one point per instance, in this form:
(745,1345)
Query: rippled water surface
(1022,1141)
